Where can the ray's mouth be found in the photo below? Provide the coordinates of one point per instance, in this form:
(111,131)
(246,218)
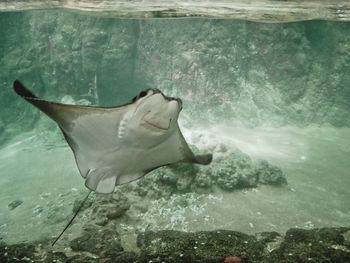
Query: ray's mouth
(158,126)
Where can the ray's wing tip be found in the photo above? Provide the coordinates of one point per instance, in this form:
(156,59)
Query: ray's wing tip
(17,87)
(204,159)
(22,91)
(209,158)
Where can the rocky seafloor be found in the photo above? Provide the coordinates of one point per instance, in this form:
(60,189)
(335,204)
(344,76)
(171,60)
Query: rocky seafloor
(102,222)
(97,245)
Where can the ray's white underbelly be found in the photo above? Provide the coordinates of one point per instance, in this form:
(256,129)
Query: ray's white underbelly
(131,160)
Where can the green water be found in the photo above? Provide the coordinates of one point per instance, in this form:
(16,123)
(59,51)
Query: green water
(315,161)
(277,92)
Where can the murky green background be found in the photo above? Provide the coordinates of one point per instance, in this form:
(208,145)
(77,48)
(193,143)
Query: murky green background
(277,91)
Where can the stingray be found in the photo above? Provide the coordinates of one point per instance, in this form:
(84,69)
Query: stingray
(117,145)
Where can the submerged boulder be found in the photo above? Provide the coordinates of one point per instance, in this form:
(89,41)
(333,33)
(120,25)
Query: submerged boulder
(230,170)
(269,174)
(14,204)
(17,253)
(298,245)
(106,208)
(316,245)
(102,242)
(212,246)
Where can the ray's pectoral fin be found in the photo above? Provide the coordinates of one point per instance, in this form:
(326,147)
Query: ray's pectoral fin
(189,156)
(203,158)
(66,116)
(127,178)
(56,111)
(101,180)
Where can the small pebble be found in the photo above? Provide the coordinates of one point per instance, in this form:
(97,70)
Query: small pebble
(15,204)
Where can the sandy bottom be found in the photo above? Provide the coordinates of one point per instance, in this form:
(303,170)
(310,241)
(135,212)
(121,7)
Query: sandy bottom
(316,162)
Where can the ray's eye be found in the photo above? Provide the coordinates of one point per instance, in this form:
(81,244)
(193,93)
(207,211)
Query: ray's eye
(142,94)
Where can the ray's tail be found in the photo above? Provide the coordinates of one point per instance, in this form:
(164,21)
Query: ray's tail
(74,216)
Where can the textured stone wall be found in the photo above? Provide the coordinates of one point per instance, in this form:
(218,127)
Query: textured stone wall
(252,73)
(235,71)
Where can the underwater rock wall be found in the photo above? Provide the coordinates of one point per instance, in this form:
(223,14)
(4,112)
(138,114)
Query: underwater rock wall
(247,73)
(58,54)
